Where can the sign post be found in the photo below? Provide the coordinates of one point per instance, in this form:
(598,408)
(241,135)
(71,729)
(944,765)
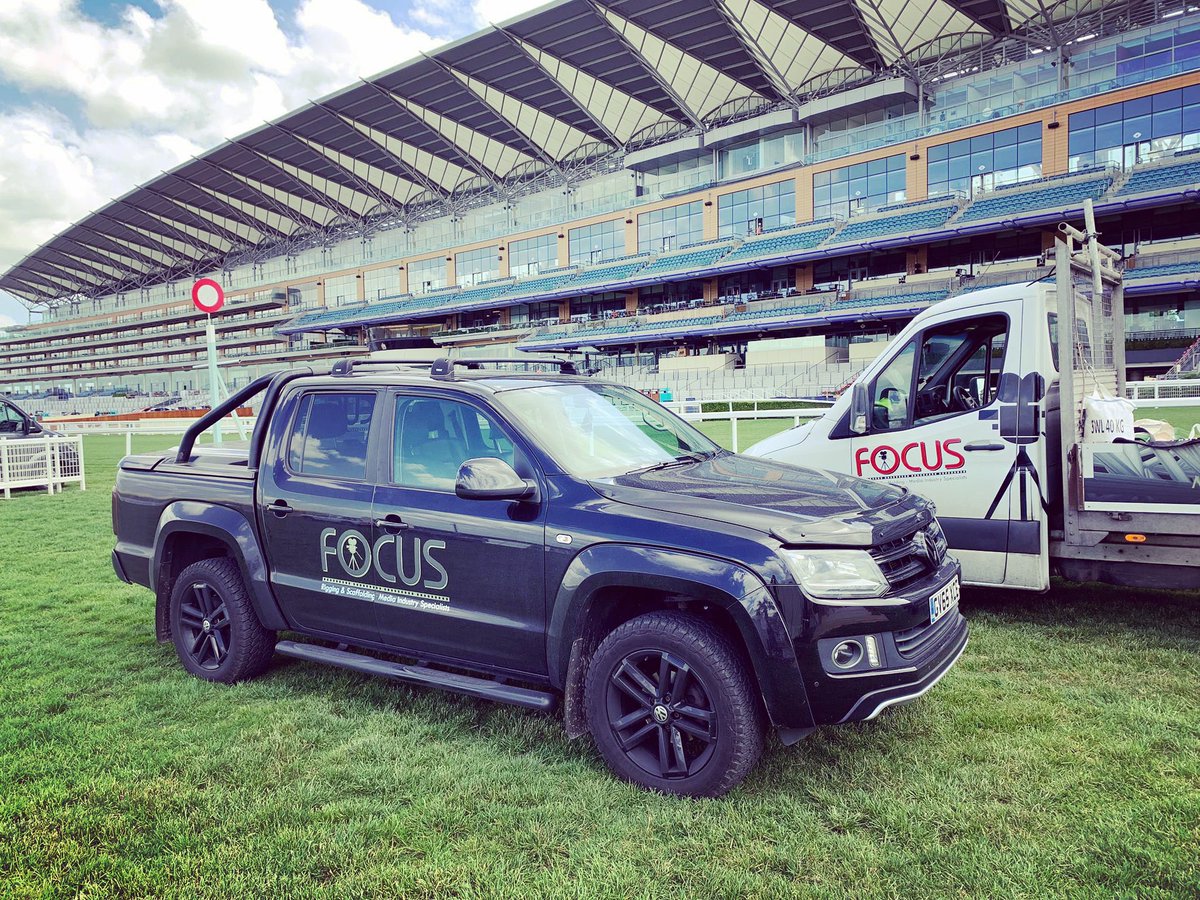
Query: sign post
(209,297)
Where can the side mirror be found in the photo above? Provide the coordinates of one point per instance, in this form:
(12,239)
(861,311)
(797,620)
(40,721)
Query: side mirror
(860,408)
(488,478)
(32,427)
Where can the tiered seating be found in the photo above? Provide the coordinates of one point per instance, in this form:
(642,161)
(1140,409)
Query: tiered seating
(608,274)
(806,309)
(925,219)
(691,261)
(1013,202)
(544,284)
(916,298)
(779,244)
(484,293)
(1162,178)
(316,321)
(1159,271)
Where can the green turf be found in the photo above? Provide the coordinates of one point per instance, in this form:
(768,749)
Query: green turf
(1182,417)
(1061,757)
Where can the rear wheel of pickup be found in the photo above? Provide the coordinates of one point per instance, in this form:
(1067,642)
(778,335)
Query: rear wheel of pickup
(672,707)
(216,632)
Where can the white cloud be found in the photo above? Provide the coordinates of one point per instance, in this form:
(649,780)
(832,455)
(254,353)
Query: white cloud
(155,90)
(6,321)
(497,11)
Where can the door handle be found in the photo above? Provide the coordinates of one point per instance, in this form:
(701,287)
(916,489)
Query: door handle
(392,524)
(983,445)
(280,508)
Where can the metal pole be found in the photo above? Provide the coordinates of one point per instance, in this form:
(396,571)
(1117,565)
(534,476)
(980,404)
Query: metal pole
(214,376)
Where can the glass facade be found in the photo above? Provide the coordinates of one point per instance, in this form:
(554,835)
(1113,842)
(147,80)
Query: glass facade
(596,243)
(474,266)
(757,209)
(427,275)
(1123,134)
(987,161)
(761,155)
(532,255)
(670,228)
(860,188)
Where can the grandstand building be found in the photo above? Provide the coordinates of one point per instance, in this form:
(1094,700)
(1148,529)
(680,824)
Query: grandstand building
(718,195)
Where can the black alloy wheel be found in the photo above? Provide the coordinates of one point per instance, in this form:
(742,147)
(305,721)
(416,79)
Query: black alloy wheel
(661,714)
(205,626)
(217,633)
(672,705)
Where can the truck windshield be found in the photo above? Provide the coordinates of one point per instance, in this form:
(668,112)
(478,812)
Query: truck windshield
(602,430)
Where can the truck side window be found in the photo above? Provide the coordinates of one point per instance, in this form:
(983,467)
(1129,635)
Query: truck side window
(329,438)
(891,390)
(957,369)
(434,437)
(10,421)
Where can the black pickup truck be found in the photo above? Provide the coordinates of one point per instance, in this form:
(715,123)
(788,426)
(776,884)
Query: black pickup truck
(540,539)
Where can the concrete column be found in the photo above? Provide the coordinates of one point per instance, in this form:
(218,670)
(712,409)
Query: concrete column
(711,289)
(320,293)
(451,278)
(564,253)
(631,237)
(1054,144)
(916,175)
(804,196)
(804,277)
(360,287)
(917,260)
(631,301)
(564,310)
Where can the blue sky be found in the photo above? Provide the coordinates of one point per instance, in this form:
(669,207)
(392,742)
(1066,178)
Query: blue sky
(97,96)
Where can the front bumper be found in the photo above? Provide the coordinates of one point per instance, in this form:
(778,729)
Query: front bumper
(908,654)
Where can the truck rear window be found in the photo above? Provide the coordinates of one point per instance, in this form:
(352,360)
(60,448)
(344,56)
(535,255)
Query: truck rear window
(329,438)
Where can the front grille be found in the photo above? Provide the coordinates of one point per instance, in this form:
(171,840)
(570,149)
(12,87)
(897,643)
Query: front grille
(912,642)
(908,559)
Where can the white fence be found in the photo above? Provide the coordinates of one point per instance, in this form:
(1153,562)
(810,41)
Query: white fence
(796,416)
(48,462)
(1175,392)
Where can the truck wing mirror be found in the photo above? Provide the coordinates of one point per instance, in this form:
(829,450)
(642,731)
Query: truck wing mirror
(860,409)
(488,478)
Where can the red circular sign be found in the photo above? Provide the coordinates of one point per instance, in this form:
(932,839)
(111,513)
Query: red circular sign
(208,295)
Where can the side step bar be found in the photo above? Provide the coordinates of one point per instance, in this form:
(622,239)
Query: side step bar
(428,677)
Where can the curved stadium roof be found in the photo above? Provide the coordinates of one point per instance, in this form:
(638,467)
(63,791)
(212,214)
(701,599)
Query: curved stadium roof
(533,99)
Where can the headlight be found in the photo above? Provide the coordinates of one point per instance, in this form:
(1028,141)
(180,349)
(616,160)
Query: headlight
(836,574)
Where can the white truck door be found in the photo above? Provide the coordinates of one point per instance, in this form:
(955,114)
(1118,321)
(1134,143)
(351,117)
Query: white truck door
(935,426)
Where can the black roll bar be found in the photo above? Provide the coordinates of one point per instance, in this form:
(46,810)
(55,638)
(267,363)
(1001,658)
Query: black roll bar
(224,408)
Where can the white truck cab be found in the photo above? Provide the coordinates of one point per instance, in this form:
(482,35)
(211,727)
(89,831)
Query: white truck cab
(963,408)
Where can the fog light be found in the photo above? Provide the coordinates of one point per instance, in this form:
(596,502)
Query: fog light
(847,654)
(872,652)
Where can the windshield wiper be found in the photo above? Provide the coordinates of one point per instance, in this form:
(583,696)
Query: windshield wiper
(681,460)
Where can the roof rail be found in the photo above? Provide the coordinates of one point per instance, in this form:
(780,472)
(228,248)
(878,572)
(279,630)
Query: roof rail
(444,368)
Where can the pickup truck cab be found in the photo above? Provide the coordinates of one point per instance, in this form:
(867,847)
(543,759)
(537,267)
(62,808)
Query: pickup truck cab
(537,539)
(16,423)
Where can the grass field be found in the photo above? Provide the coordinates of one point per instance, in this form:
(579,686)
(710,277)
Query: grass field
(1060,758)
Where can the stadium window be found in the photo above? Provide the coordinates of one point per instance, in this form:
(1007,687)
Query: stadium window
(532,255)
(474,266)
(739,213)
(427,275)
(986,161)
(661,230)
(1139,130)
(590,244)
(859,188)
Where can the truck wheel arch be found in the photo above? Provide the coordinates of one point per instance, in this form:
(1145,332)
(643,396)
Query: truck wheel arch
(203,529)
(604,573)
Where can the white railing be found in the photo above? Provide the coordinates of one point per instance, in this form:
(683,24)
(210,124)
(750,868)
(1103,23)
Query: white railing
(48,462)
(130,427)
(1186,389)
(688,410)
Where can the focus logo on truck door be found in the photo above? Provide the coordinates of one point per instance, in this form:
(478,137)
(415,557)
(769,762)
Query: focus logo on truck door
(409,568)
(913,458)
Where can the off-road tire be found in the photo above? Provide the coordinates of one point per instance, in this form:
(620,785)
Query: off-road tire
(214,627)
(717,680)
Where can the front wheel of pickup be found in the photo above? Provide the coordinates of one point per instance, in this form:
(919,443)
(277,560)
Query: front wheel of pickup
(216,632)
(672,706)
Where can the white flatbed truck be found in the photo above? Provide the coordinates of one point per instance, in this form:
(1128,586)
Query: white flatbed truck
(978,404)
